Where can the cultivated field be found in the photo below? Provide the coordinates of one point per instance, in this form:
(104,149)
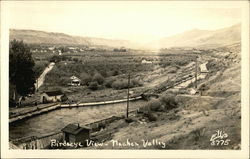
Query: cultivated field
(104,75)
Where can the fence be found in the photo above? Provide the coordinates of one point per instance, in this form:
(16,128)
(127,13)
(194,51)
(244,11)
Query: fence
(36,143)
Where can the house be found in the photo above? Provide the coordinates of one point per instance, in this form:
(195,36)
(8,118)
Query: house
(51,96)
(192,91)
(76,133)
(203,68)
(75,81)
(146,62)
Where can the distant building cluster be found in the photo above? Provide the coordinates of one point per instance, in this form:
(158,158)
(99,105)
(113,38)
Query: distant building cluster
(71,49)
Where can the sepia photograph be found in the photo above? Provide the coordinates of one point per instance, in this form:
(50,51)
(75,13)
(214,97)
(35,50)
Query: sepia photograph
(125,75)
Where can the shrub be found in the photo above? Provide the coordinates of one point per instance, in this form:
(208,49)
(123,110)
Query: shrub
(129,120)
(154,105)
(174,70)
(168,101)
(203,88)
(57,58)
(75,59)
(98,78)
(135,83)
(86,78)
(39,67)
(64,98)
(108,83)
(120,84)
(63,81)
(113,73)
(93,85)
(152,117)
(123,84)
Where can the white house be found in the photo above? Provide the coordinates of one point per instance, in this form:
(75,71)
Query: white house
(146,62)
(75,81)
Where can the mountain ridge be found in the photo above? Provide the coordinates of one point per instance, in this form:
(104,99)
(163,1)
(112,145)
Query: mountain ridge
(42,37)
(203,38)
(190,38)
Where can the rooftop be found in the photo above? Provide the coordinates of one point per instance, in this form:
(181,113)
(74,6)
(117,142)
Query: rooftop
(54,93)
(73,129)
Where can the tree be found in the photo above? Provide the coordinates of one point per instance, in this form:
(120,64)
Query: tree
(98,78)
(93,85)
(21,63)
(86,78)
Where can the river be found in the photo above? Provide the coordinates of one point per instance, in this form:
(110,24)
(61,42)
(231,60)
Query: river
(55,120)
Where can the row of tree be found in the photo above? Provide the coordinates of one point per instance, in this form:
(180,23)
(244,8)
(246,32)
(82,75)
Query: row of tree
(21,73)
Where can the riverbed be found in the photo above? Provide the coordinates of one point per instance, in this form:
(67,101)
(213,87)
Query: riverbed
(54,121)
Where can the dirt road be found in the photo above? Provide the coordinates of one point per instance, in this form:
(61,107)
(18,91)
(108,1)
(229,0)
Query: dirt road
(41,79)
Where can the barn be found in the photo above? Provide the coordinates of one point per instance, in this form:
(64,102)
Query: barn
(146,62)
(75,81)
(51,96)
(76,133)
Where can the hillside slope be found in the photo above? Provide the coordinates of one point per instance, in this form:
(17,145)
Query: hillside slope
(203,38)
(42,37)
(192,38)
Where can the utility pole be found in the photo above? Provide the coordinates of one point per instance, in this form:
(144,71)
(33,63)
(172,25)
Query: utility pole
(36,85)
(196,67)
(128,93)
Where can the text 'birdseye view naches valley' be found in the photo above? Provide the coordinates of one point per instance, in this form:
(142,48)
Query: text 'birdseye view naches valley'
(79,92)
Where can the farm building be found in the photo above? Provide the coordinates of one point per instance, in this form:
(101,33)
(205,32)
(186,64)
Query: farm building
(51,96)
(203,68)
(146,62)
(192,91)
(75,133)
(75,81)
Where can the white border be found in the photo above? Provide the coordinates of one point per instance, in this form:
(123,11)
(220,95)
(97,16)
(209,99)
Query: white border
(243,153)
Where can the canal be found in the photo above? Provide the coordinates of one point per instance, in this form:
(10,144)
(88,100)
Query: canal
(55,120)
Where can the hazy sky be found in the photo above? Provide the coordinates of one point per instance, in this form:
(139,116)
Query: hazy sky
(136,21)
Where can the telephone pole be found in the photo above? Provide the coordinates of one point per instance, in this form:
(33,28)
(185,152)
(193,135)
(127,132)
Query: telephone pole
(196,67)
(128,93)
(36,85)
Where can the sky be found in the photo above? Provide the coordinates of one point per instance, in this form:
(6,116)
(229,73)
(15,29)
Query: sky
(140,21)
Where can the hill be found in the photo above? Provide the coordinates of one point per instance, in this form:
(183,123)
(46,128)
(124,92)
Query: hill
(202,38)
(42,37)
(191,38)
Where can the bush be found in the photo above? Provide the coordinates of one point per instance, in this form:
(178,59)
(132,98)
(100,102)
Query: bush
(98,78)
(39,67)
(174,70)
(154,105)
(63,81)
(203,88)
(168,101)
(64,98)
(135,83)
(108,83)
(85,78)
(152,117)
(93,85)
(119,84)
(123,84)
(75,59)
